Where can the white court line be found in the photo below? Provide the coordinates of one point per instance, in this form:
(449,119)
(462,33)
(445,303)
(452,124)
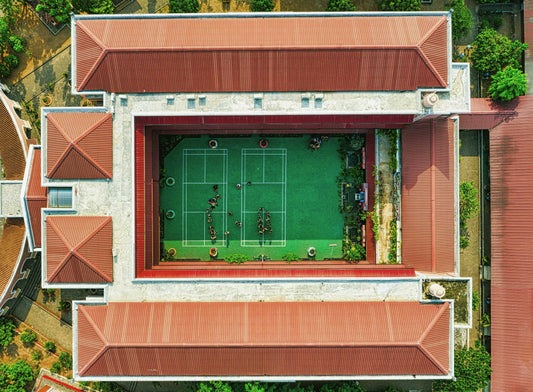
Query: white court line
(245,152)
(205,152)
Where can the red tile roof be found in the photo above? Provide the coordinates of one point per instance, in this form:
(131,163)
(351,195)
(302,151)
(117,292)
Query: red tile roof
(14,144)
(79,249)
(428,202)
(263,338)
(236,54)
(79,145)
(511,187)
(11,242)
(36,197)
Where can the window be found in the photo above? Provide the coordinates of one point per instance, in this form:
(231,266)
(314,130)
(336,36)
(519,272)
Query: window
(60,197)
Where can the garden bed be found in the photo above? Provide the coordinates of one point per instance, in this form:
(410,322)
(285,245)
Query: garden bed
(459,291)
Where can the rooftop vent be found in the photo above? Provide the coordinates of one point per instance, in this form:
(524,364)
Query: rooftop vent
(430,100)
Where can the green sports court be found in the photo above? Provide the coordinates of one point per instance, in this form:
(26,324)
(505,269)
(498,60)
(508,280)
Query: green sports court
(271,201)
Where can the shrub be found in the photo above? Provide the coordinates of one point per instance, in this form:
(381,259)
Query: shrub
(463,242)
(183,6)
(66,360)
(50,346)
(340,5)
(472,370)
(55,368)
(461,19)
(11,60)
(28,337)
(475,300)
(6,331)
(5,70)
(508,84)
(400,5)
(59,9)
(355,252)
(36,355)
(236,258)
(288,257)
(93,6)
(493,52)
(468,202)
(16,43)
(261,5)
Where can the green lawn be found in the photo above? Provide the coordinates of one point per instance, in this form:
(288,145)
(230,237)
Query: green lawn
(296,186)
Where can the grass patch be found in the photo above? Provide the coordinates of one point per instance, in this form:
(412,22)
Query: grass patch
(456,290)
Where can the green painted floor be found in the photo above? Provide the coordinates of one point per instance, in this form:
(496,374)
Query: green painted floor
(295,185)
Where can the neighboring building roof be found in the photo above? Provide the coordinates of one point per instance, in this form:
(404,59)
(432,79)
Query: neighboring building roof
(79,145)
(14,146)
(36,198)
(11,243)
(428,196)
(314,52)
(263,339)
(79,249)
(511,187)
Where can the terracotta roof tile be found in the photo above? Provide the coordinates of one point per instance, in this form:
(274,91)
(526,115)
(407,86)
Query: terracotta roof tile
(36,197)
(322,53)
(428,202)
(511,187)
(79,145)
(11,242)
(14,143)
(79,249)
(289,338)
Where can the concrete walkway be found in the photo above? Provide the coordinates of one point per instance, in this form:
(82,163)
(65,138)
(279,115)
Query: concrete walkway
(44,322)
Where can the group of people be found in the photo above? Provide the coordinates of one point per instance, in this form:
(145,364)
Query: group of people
(213,202)
(316,142)
(266,227)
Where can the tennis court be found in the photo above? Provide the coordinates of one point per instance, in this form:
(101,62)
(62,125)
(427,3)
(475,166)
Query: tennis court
(244,199)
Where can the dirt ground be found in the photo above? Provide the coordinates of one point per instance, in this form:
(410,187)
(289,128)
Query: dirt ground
(385,204)
(469,170)
(40,43)
(18,350)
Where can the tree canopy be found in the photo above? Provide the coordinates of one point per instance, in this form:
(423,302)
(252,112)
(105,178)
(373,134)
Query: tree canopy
(493,52)
(6,331)
(400,5)
(472,371)
(15,377)
(461,19)
(93,6)
(340,5)
(58,9)
(508,84)
(261,5)
(183,6)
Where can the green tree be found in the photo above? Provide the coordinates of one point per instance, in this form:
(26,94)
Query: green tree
(28,337)
(340,5)
(36,355)
(15,377)
(93,6)
(66,360)
(261,5)
(183,6)
(493,52)
(400,5)
(59,9)
(472,371)
(56,367)
(461,19)
(50,346)
(508,84)
(6,331)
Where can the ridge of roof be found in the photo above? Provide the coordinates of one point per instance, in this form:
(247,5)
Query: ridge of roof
(58,165)
(428,61)
(430,355)
(74,245)
(103,340)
